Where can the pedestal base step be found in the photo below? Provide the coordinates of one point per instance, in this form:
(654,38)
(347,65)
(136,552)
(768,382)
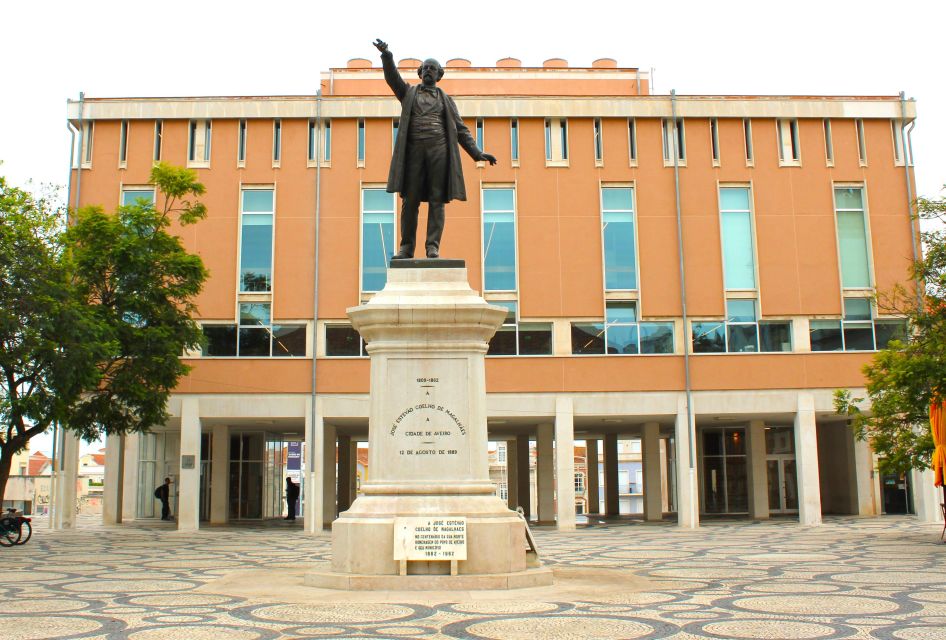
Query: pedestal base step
(533,577)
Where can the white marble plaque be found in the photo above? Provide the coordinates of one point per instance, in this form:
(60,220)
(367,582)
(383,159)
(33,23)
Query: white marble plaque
(434,538)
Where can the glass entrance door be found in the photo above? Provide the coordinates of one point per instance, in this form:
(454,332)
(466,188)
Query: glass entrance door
(783,484)
(246,476)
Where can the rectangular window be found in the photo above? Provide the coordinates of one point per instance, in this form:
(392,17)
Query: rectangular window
(579,482)
(479,132)
(198,143)
(123,144)
(617,228)
(158,135)
(343,341)
(520,338)
(852,237)
(556,141)
(241,143)
(395,127)
(742,331)
(828,143)
(85,143)
(377,237)
(736,223)
(256,240)
(621,333)
(277,141)
(857,325)
(747,133)
(253,338)
(861,142)
(899,151)
(326,141)
(632,140)
(499,239)
(714,139)
(857,330)
(789,147)
(514,139)
(220,340)
(361,141)
(288,341)
(599,142)
(674,141)
(132,195)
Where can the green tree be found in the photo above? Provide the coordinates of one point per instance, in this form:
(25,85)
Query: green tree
(95,317)
(902,379)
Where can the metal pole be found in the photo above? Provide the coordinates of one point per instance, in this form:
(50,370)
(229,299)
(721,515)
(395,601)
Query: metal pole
(906,173)
(319,154)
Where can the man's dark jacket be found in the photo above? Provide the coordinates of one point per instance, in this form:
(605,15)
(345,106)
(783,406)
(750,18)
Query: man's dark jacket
(457,132)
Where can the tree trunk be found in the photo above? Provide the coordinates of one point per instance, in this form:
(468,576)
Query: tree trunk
(6,461)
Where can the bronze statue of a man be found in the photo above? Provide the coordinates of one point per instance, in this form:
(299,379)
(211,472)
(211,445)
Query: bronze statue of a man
(425,166)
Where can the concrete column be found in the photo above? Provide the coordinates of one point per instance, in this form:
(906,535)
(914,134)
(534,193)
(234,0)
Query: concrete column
(219,474)
(565,464)
(114,479)
(612,503)
(650,450)
(758,471)
(926,497)
(344,473)
(188,500)
(329,457)
(353,474)
(66,481)
(312,509)
(591,487)
(863,477)
(806,461)
(688,506)
(523,474)
(545,470)
(130,478)
(512,474)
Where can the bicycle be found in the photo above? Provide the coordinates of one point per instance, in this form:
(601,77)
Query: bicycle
(15,528)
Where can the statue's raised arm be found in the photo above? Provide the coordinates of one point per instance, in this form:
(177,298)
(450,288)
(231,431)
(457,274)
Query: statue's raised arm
(380,45)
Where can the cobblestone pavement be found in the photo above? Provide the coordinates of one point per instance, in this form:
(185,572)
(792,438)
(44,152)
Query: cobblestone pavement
(851,578)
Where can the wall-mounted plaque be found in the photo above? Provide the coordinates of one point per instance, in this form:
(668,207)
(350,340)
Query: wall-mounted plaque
(436,538)
(187,462)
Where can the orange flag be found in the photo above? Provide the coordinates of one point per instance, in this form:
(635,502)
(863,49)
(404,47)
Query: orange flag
(938,427)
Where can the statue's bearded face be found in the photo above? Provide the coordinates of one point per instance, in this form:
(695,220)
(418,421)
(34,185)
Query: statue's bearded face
(430,72)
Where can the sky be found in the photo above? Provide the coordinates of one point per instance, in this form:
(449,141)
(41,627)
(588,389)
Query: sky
(53,50)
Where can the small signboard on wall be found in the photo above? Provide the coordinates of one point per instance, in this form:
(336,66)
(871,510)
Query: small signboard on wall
(434,538)
(187,462)
(294,456)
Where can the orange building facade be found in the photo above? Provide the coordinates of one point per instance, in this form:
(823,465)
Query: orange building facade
(692,271)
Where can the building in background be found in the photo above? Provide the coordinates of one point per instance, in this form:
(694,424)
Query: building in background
(773,218)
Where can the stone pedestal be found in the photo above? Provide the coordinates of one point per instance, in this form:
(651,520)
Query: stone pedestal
(427,334)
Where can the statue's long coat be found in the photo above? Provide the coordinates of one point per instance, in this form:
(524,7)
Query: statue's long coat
(457,133)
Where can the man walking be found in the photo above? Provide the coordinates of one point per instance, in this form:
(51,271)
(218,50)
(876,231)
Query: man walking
(425,166)
(163,493)
(292,495)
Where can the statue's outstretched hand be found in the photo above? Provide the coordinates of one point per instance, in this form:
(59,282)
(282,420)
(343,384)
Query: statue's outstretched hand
(488,157)
(380,45)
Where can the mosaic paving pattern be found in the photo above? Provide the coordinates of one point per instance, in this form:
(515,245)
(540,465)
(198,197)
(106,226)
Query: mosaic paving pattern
(851,578)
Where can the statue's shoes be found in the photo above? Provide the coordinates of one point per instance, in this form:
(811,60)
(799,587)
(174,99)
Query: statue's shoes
(401,256)
(432,255)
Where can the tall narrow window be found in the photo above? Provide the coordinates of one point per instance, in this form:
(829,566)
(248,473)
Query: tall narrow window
(198,143)
(256,240)
(254,329)
(377,237)
(514,138)
(861,142)
(158,135)
(361,140)
(789,147)
(736,223)
(900,152)
(828,143)
(479,132)
(277,141)
(599,143)
(632,140)
(556,141)
(747,132)
(674,140)
(852,237)
(714,139)
(617,223)
(395,127)
(499,239)
(327,140)
(85,143)
(123,144)
(241,143)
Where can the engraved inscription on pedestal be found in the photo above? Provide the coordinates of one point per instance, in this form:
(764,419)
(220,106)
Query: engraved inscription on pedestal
(435,538)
